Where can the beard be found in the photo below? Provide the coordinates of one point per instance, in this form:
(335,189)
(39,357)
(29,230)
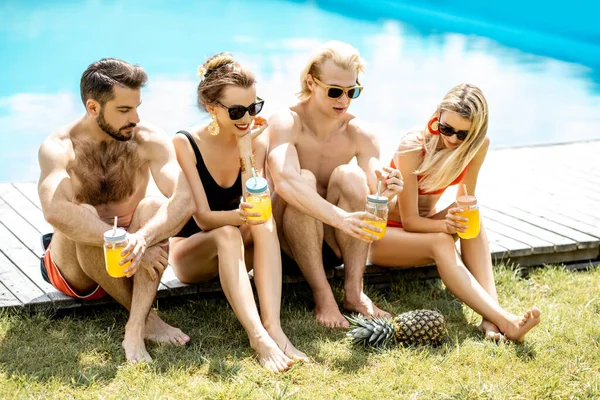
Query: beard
(115,133)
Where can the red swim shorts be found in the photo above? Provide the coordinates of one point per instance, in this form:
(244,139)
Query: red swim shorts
(57,280)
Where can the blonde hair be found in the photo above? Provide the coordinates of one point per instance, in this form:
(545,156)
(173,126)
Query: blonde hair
(440,167)
(221,71)
(342,54)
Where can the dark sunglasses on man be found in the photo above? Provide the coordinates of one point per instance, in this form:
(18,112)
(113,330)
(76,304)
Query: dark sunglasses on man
(335,92)
(447,130)
(237,112)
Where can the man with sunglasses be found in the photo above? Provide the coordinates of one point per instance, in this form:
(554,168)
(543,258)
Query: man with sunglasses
(319,196)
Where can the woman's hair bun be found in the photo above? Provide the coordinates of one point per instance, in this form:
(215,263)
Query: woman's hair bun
(218,60)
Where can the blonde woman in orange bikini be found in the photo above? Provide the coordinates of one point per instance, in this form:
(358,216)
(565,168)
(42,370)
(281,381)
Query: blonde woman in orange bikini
(449,151)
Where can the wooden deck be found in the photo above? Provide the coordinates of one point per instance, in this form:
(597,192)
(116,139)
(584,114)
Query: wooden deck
(539,206)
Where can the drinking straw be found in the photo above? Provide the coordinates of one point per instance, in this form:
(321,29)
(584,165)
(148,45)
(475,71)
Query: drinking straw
(465,189)
(254,175)
(378,192)
(115,227)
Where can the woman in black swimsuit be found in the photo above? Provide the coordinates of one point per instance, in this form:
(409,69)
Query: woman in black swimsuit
(220,240)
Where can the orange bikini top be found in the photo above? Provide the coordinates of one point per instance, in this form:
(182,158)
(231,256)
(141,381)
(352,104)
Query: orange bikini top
(438,191)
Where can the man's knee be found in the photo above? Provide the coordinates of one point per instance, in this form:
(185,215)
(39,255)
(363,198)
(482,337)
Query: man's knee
(290,211)
(350,181)
(91,209)
(144,211)
(151,204)
(309,177)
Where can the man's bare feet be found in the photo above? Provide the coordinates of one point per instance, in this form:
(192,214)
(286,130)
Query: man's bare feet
(159,331)
(519,326)
(285,345)
(327,311)
(366,307)
(491,331)
(269,355)
(133,343)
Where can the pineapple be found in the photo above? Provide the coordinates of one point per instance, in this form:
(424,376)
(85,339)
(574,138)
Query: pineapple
(417,327)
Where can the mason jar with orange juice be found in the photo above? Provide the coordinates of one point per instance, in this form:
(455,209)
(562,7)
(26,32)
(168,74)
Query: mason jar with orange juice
(471,212)
(260,197)
(378,207)
(115,240)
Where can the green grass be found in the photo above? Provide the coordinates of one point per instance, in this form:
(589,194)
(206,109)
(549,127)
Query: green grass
(77,354)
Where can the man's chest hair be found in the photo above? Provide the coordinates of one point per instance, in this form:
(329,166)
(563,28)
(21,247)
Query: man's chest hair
(105,172)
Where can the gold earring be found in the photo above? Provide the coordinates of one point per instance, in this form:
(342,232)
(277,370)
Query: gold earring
(213,127)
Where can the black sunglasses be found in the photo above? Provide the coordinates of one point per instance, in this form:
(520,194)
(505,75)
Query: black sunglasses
(335,92)
(447,130)
(237,112)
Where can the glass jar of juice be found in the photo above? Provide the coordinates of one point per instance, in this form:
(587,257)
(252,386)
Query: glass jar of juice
(378,207)
(115,240)
(470,212)
(259,196)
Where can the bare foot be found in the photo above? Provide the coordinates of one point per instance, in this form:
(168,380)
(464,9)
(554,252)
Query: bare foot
(491,331)
(519,326)
(365,307)
(269,355)
(286,346)
(159,331)
(330,317)
(327,311)
(133,343)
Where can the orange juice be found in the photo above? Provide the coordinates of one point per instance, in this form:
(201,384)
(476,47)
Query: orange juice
(112,256)
(379,224)
(471,212)
(377,206)
(473,224)
(115,240)
(260,204)
(259,197)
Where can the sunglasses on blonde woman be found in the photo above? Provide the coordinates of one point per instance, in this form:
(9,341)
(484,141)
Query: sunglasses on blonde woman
(335,92)
(447,130)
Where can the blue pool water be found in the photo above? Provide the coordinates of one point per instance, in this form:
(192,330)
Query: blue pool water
(538,64)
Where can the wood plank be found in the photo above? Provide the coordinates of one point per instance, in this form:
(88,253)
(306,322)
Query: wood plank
(514,247)
(537,245)
(549,173)
(577,210)
(498,251)
(7,299)
(30,191)
(564,193)
(530,180)
(557,258)
(18,284)
(175,286)
(532,200)
(567,216)
(26,233)
(564,220)
(565,186)
(582,240)
(29,265)
(560,243)
(24,208)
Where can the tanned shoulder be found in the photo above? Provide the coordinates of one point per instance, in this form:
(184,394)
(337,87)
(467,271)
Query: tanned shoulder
(363,134)
(284,125)
(482,152)
(57,147)
(152,141)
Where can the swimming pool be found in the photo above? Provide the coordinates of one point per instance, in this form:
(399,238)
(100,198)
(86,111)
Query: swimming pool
(541,79)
